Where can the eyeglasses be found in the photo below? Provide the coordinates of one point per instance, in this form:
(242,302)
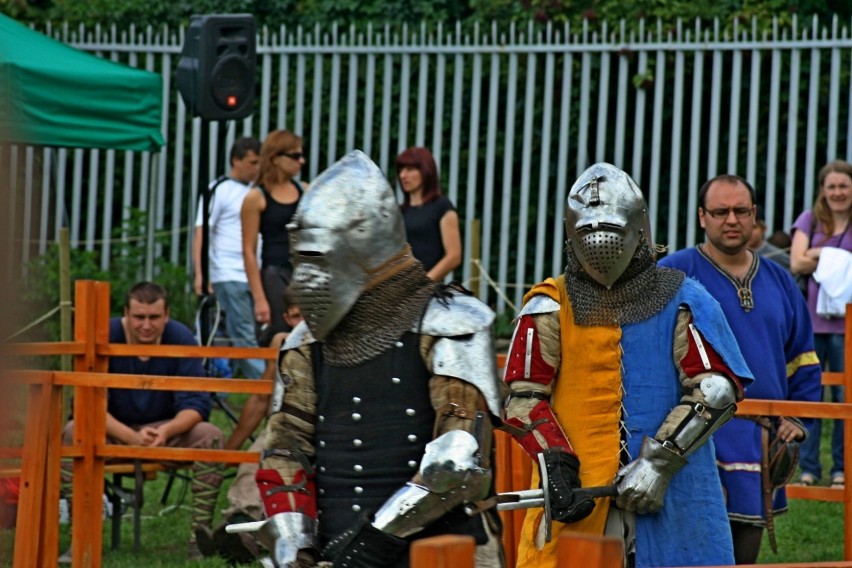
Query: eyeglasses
(739,212)
(292,155)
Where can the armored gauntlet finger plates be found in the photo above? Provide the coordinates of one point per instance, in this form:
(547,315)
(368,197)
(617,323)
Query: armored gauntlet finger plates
(643,482)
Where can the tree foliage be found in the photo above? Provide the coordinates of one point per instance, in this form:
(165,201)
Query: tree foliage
(40,288)
(274,13)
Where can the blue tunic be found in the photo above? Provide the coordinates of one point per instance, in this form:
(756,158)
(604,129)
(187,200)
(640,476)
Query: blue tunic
(777,343)
(671,537)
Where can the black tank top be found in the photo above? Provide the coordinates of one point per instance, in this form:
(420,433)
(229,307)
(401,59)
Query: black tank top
(275,250)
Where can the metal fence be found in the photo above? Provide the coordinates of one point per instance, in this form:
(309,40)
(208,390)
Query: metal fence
(512,117)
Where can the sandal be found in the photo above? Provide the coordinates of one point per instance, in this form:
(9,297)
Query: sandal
(807,479)
(838,480)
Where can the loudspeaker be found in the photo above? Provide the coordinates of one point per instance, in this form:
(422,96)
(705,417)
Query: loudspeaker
(216,71)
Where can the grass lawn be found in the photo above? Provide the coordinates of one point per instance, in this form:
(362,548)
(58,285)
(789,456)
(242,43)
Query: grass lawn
(811,531)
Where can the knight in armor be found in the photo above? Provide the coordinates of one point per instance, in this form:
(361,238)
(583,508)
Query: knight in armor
(380,428)
(619,372)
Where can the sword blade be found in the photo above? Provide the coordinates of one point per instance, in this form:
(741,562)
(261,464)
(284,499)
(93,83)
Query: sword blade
(245,527)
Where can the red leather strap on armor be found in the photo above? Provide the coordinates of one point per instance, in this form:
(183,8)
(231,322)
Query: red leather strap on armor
(525,362)
(277,497)
(693,363)
(543,421)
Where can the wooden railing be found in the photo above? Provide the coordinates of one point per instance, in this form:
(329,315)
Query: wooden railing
(37,534)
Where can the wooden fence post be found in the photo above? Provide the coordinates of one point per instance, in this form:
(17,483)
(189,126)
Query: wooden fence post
(29,535)
(447,551)
(847,430)
(91,327)
(589,551)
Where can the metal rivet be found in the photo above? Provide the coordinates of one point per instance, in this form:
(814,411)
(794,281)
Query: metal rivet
(357,443)
(359,490)
(395,380)
(410,411)
(322,468)
(412,463)
(356,400)
(399,344)
(321,418)
(322,491)
(412,438)
(322,444)
(358,468)
(356,416)
(356,508)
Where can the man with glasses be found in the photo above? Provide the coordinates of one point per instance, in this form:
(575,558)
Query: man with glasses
(770,320)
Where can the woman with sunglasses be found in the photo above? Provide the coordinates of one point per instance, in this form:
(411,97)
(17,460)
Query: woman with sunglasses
(431,221)
(266,211)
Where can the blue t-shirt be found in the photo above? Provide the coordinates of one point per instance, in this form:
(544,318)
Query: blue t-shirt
(142,406)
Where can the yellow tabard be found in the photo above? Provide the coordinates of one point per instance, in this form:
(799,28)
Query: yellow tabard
(587,401)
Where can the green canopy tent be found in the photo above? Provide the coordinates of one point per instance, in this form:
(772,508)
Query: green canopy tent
(54,95)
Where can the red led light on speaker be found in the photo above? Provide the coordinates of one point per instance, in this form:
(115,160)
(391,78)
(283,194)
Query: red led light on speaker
(232,101)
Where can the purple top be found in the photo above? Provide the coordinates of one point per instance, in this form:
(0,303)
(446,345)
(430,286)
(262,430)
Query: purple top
(820,239)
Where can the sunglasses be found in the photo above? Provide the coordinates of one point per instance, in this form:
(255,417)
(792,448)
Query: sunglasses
(292,155)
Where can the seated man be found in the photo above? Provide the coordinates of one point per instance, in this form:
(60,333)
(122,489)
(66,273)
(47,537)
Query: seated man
(140,417)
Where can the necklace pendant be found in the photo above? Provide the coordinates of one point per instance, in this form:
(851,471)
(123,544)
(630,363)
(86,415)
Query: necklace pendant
(746,299)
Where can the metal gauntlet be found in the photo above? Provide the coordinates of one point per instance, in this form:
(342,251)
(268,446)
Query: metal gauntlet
(450,475)
(288,536)
(643,482)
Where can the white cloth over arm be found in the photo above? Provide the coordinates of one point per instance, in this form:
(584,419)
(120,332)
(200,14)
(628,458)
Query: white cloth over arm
(834,274)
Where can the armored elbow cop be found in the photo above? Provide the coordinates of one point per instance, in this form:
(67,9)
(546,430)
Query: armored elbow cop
(703,418)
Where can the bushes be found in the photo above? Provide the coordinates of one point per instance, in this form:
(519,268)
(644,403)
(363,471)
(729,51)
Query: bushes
(274,13)
(41,284)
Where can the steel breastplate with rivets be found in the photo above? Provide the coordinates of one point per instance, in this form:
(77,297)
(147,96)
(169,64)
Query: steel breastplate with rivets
(373,423)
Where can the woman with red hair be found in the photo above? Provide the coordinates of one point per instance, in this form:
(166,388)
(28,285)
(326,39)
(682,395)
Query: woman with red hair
(431,221)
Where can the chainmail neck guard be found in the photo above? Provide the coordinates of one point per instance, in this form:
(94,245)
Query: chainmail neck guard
(380,316)
(642,291)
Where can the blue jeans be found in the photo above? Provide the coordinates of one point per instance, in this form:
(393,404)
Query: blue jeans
(829,349)
(235,300)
